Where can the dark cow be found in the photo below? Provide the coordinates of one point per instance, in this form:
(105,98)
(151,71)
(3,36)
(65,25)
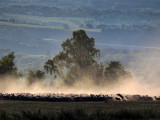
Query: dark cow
(118,99)
(120,95)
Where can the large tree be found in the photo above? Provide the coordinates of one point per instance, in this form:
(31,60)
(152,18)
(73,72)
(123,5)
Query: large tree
(114,70)
(77,55)
(77,60)
(7,65)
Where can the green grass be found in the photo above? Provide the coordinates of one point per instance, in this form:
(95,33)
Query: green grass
(79,114)
(11,106)
(35,110)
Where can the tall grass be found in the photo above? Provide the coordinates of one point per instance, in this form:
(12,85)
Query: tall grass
(81,115)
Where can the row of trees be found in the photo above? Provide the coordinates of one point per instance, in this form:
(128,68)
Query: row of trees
(73,63)
(98,14)
(18,21)
(8,68)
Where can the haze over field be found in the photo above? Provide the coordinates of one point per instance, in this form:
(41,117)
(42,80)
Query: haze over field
(124,30)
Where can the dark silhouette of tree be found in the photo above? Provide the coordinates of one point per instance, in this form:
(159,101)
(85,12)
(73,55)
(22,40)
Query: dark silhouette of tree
(77,60)
(115,70)
(7,65)
(34,76)
(50,66)
(77,55)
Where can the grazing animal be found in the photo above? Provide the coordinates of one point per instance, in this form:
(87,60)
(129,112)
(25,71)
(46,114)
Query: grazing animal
(157,98)
(121,96)
(118,99)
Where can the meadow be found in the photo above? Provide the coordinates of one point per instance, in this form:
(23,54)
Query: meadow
(85,110)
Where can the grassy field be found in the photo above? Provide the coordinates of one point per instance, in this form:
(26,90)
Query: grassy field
(11,106)
(32,110)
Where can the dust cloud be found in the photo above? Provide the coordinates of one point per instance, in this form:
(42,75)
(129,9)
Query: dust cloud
(127,86)
(9,84)
(145,69)
(85,86)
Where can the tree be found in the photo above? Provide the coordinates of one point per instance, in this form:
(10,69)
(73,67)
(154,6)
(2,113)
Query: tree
(50,67)
(115,70)
(7,65)
(76,57)
(34,76)
(77,60)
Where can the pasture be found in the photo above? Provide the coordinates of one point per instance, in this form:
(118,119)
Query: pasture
(14,106)
(111,110)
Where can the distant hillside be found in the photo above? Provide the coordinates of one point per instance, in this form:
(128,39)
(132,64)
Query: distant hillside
(103,16)
(26,62)
(96,4)
(38,27)
(44,41)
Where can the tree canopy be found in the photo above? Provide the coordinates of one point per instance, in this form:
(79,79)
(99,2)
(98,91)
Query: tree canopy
(7,65)
(77,59)
(114,70)
(77,55)
(34,76)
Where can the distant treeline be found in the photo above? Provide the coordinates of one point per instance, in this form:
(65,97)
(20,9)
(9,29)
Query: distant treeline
(106,14)
(75,62)
(96,4)
(17,21)
(102,27)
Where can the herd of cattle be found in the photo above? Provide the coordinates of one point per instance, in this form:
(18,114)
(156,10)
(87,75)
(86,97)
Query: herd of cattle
(75,97)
